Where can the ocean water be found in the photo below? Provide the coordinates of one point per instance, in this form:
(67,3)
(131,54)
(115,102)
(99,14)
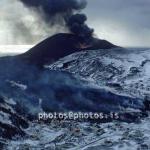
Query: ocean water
(7,50)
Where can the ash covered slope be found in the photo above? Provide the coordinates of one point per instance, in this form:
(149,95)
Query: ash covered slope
(58,46)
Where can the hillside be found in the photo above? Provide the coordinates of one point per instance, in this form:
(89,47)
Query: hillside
(58,46)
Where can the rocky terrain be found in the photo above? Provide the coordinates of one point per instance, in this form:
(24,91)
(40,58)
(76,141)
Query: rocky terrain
(122,70)
(117,79)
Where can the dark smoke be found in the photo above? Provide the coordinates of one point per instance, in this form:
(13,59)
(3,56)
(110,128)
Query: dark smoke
(76,24)
(63,12)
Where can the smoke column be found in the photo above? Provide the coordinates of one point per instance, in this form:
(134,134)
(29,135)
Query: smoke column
(64,12)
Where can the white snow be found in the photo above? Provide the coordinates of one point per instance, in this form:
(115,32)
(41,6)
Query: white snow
(19,85)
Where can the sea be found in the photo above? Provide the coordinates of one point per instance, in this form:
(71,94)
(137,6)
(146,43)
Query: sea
(10,50)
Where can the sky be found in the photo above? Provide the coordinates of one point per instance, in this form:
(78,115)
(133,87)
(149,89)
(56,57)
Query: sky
(122,22)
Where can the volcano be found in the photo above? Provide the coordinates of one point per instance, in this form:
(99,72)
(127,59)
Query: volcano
(61,45)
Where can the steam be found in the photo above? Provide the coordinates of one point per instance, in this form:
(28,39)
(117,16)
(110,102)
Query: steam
(64,13)
(30,21)
(20,25)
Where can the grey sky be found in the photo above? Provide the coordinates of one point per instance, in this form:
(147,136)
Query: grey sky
(123,22)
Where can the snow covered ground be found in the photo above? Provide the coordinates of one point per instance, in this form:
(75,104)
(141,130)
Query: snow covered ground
(122,71)
(85,136)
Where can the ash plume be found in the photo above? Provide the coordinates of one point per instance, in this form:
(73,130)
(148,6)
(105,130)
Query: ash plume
(64,12)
